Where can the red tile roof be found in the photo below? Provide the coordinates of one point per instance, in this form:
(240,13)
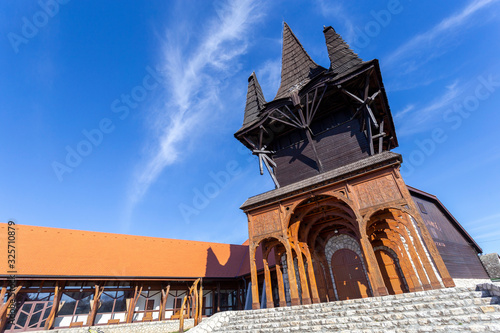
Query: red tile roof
(42,251)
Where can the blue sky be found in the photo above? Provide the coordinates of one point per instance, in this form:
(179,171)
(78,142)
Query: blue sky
(119,116)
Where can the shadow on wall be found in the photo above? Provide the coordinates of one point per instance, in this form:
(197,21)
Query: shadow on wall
(235,263)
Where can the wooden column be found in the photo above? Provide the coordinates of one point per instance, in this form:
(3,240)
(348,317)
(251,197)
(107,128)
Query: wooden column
(328,277)
(5,306)
(255,281)
(163,303)
(312,275)
(426,236)
(306,298)
(407,261)
(294,292)
(269,288)
(279,276)
(58,291)
(376,280)
(200,303)
(416,261)
(181,319)
(98,290)
(133,302)
(423,255)
(3,292)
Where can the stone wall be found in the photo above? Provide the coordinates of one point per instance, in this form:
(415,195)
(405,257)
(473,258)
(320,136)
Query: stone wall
(492,265)
(146,327)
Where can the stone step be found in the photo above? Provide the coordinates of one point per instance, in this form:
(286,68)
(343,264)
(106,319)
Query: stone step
(467,306)
(369,304)
(473,311)
(445,310)
(427,324)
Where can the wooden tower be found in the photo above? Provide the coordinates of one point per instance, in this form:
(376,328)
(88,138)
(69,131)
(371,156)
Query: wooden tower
(341,222)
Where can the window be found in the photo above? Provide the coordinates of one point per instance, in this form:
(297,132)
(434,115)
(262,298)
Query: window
(422,208)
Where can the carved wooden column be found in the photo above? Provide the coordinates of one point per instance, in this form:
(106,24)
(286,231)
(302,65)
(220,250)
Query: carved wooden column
(294,292)
(410,272)
(98,290)
(58,291)
(255,281)
(279,276)
(306,298)
(376,280)
(328,277)
(312,276)
(426,236)
(5,306)
(423,255)
(416,261)
(269,288)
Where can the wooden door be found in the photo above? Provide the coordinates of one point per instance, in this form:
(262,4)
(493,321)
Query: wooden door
(150,304)
(390,273)
(350,278)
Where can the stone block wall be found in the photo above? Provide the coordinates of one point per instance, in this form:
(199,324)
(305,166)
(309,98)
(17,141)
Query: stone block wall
(146,327)
(491,263)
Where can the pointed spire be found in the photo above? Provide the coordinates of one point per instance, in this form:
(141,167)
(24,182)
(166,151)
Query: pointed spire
(297,68)
(342,58)
(255,100)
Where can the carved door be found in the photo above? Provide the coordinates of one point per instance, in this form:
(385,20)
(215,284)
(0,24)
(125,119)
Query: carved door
(350,278)
(390,273)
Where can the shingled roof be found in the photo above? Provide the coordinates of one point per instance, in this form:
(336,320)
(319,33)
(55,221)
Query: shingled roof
(255,100)
(297,67)
(342,58)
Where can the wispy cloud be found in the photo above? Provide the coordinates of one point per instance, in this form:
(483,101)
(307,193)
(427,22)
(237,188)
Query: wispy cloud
(336,10)
(192,75)
(416,119)
(403,112)
(423,43)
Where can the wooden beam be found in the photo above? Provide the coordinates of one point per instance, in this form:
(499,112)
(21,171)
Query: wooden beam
(369,135)
(271,172)
(381,137)
(318,161)
(314,110)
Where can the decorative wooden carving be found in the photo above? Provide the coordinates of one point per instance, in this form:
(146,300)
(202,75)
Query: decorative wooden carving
(266,222)
(377,191)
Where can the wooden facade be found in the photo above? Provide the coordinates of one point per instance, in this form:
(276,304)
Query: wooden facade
(341,222)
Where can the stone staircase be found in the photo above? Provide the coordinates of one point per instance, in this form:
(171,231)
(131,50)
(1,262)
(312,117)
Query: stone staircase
(445,310)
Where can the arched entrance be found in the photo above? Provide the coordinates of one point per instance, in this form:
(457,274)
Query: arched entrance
(349,276)
(390,272)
